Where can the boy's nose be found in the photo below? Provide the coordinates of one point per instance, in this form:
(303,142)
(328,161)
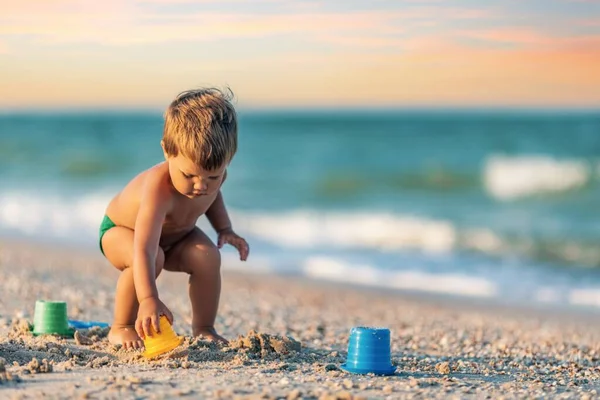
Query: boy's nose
(201,185)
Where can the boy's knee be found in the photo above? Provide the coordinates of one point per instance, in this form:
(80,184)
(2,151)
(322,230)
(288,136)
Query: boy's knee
(205,257)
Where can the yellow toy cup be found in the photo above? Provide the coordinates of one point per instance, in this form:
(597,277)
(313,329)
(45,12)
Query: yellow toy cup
(163,342)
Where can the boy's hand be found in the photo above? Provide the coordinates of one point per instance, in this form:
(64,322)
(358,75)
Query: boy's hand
(230,237)
(149,313)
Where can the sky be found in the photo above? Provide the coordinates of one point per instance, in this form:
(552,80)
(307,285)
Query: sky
(301,53)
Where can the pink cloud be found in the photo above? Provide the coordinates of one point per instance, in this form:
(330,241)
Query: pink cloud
(175,2)
(121,23)
(49,8)
(127,28)
(433,44)
(506,35)
(533,39)
(372,42)
(589,22)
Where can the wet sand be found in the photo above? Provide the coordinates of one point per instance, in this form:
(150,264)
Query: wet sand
(288,339)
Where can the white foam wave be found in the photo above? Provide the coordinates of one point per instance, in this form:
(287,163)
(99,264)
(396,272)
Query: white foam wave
(52,215)
(314,234)
(547,295)
(78,218)
(380,231)
(258,264)
(585,297)
(508,178)
(446,283)
(377,231)
(574,296)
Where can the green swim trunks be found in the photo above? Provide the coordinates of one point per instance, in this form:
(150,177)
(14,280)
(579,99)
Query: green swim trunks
(105,226)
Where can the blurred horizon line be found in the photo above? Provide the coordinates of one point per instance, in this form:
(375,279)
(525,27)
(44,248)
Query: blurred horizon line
(315,109)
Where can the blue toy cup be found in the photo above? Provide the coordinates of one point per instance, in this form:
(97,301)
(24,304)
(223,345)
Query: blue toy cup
(369,352)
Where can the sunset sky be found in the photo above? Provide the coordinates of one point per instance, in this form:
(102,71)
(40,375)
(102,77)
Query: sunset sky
(297,53)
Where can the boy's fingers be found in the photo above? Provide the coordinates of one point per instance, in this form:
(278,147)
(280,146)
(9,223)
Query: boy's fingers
(139,329)
(246,250)
(242,248)
(243,251)
(239,243)
(146,326)
(155,319)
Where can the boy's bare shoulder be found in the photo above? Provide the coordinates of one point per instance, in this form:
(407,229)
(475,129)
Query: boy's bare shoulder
(156,172)
(149,185)
(154,177)
(156,180)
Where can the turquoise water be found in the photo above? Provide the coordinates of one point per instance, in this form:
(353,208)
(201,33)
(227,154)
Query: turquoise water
(487,204)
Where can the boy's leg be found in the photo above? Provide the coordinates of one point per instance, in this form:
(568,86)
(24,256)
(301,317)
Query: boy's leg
(117,243)
(196,255)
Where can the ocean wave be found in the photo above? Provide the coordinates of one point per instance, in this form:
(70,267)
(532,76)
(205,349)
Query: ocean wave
(77,218)
(502,177)
(388,232)
(329,268)
(511,286)
(375,249)
(52,215)
(380,231)
(585,297)
(509,178)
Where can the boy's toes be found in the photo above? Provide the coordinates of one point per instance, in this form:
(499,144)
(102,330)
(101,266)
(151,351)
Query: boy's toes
(133,345)
(125,336)
(210,334)
(220,340)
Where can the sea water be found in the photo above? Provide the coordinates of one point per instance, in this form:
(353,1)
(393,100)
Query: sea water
(499,205)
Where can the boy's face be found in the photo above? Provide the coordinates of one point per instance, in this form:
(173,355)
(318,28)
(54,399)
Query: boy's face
(193,181)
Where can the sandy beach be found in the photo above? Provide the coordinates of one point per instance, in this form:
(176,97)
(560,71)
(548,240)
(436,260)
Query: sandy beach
(442,348)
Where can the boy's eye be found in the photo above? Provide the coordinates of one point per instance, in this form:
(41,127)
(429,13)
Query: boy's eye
(187,175)
(214,178)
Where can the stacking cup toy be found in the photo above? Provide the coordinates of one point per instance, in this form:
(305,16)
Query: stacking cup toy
(50,317)
(163,342)
(369,352)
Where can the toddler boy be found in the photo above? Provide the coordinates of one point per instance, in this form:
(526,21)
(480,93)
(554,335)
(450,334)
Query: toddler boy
(151,224)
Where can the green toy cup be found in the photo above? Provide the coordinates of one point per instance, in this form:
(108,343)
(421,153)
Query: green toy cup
(50,318)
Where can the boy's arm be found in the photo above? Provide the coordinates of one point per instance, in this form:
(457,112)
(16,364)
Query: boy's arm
(148,226)
(218,218)
(217,215)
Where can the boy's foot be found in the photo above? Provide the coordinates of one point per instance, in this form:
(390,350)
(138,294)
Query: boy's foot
(210,333)
(126,336)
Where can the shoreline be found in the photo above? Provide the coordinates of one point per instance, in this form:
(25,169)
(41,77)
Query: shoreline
(441,347)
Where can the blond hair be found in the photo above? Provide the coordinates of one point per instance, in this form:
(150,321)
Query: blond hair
(201,124)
